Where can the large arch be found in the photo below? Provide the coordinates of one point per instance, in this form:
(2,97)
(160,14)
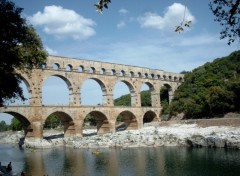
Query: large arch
(126,120)
(132,92)
(149,116)
(101,120)
(45,93)
(102,87)
(166,92)
(147,94)
(66,120)
(23,120)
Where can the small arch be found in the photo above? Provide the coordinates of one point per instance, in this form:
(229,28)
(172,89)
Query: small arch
(146,75)
(131,74)
(126,120)
(69,67)
(81,69)
(180,79)
(92,70)
(103,71)
(139,74)
(101,121)
(170,78)
(56,66)
(164,77)
(113,72)
(175,78)
(149,116)
(158,77)
(152,76)
(122,73)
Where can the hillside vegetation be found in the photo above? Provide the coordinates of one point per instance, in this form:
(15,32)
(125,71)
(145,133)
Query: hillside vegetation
(210,90)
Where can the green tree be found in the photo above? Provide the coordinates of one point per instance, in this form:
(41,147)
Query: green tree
(20,48)
(212,89)
(3,126)
(52,122)
(16,125)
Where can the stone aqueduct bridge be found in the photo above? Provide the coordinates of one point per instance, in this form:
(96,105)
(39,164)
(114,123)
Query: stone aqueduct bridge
(74,72)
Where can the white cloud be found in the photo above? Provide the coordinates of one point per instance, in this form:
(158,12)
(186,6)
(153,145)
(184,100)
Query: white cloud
(63,23)
(51,51)
(123,11)
(121,24)
(172,17)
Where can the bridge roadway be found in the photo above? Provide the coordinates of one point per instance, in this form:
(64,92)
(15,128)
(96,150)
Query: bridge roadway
(74,72)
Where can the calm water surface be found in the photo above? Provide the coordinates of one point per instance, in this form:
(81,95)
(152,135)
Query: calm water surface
(130,162)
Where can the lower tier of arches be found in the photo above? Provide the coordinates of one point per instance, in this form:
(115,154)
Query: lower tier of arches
(73,119)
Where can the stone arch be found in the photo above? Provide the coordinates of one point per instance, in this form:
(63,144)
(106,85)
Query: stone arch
(169,91)
(92,70)
(126,120)
(103,88)
(139,74)
(149,116)
(67,82)
(27,83)
(131,90)
(131,74)
(102,122)
(23,120)
(56,66)
(113,72)
(102,71)
(122,73)
(152,94)
(152,76)
(81,68)
(67,121)
(69,67)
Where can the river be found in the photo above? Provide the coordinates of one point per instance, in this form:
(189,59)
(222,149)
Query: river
(118,162)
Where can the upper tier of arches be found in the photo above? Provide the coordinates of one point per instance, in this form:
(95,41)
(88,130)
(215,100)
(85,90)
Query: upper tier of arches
(104,68)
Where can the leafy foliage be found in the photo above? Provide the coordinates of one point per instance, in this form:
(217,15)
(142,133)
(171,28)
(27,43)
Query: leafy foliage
(212,89)
(101,5)
(20,47)
(91,120)
(227,13)
(15,125)
(3,126)
(125,100)
(52,122)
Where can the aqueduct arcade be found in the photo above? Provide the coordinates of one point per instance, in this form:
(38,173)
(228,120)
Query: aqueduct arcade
(74,72)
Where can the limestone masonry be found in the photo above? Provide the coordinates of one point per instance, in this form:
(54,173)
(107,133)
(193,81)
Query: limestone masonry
(74,72)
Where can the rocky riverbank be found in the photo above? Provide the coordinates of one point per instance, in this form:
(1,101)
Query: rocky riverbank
(181,133)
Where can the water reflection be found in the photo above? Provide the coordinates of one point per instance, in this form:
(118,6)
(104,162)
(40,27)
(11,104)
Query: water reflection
(141,161)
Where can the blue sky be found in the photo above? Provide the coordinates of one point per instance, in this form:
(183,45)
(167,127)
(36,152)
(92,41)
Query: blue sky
(135,32)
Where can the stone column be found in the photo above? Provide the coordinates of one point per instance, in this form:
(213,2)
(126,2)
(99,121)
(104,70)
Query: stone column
(34,130)
(155,98)
(78,124)
(69,129)
(36,87)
